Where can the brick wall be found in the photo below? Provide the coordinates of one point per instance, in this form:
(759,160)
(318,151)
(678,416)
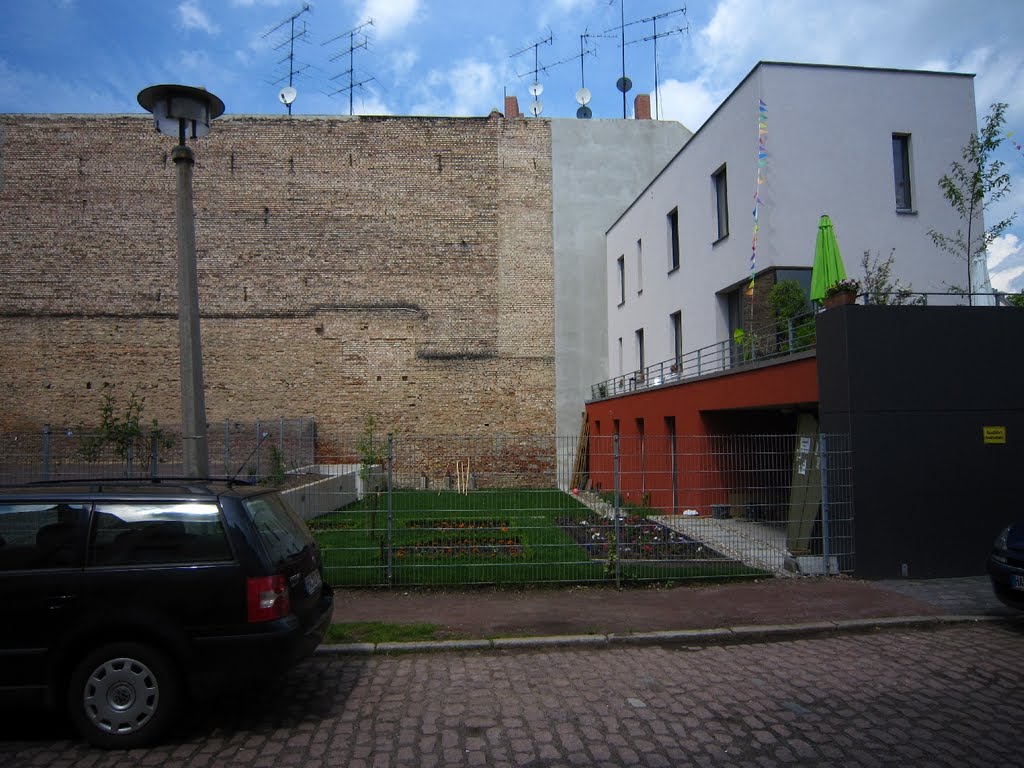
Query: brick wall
(347,266)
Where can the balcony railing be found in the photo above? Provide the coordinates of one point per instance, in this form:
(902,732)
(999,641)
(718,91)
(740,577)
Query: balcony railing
(747,347)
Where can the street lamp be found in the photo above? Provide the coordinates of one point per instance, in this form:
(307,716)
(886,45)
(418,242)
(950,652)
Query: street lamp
(185,112)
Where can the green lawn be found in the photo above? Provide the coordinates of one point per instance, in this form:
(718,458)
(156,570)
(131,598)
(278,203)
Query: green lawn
(484,537)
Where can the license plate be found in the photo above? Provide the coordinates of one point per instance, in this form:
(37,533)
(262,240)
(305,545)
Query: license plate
(1017,581)
(313,582)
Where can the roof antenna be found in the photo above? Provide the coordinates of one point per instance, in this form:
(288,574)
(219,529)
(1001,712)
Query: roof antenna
(536,89)
(353,46)
(263,436)
(287,94)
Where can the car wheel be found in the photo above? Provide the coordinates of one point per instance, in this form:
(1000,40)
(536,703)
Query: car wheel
(123,695)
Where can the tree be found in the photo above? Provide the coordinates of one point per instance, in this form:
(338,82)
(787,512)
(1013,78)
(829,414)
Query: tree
(879,285)
(792,315)
(971,187)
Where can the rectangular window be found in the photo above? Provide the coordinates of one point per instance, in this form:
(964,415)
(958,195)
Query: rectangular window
(639,266)
(621,370)
(622,280)
(676,318)
(721,188)
(901,171)
(673,239)
(42,535)
(640,351)
(137,533)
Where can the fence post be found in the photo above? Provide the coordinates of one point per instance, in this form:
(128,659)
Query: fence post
(280,436)
(153,456)
(312,441)
(391,457)
(46,452)
(823,473)
(129,470)
(618,567)
(227,449)
(259,442)
(792,341)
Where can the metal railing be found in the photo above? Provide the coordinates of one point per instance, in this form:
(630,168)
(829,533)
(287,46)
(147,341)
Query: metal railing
(747,347)
(260,450)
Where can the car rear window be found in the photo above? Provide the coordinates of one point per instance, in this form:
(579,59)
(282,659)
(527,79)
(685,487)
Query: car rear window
(41,535)
(282,531)
(137,533)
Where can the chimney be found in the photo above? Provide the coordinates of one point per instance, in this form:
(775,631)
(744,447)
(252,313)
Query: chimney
(642,107)
(512,107)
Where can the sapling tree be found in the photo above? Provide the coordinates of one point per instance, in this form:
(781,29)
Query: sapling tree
(880,287)
(972,187)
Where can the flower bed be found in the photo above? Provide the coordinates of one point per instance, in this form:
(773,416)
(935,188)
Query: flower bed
(639,539)
(453,547)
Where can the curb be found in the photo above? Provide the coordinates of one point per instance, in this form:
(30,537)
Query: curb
(721,635)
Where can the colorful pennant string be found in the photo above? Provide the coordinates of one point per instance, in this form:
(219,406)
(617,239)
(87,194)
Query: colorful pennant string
(762,164)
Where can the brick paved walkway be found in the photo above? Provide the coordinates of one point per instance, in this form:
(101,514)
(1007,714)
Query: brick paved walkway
(943,697)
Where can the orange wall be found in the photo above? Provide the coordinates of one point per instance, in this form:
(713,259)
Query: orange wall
(700,409)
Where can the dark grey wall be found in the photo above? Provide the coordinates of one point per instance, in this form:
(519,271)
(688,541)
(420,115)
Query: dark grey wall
(915,387)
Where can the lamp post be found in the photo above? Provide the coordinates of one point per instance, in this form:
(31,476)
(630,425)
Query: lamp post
(183,112)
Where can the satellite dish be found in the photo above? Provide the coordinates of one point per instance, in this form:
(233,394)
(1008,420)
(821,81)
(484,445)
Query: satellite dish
(583,96)
(624,84)
(287,95)
(536,89)
(536,107)
(584,113)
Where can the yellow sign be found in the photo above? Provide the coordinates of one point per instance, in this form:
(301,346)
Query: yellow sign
(994,435)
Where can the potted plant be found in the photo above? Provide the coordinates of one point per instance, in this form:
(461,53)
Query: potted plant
(841,292)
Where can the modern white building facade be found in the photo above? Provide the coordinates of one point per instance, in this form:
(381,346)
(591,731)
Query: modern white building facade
(866,146)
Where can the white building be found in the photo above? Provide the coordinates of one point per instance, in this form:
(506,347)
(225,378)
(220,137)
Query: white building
(866,146)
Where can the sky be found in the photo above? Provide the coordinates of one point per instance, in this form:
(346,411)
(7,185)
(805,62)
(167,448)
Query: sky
(461,57)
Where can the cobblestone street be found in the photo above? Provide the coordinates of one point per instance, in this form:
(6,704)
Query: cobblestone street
(947,697)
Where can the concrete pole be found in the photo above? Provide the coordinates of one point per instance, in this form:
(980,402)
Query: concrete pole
(193,401)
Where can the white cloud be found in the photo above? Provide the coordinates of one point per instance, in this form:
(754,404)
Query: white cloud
(390,17)
(1006,263)
(193,17)
(689,103)
(468,88)
(402,63)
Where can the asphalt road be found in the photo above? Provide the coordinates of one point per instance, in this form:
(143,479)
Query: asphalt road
(946,696)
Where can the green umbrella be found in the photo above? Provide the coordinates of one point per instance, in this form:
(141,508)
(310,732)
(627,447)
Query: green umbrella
(828,264)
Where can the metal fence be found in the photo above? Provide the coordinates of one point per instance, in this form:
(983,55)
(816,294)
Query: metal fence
(260,450)
(449,511)
(442,510)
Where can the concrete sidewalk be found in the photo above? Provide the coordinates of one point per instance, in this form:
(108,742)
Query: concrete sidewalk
(499,618)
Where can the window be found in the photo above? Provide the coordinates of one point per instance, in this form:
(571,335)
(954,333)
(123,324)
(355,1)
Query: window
(621,370)
(901,170)
(673,239)
(640,351)
(639,266)
(676,318)
(721,189)
(44,535)
(622,280)
(136,533)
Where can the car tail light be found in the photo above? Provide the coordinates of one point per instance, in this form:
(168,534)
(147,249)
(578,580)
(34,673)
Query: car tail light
(268,598)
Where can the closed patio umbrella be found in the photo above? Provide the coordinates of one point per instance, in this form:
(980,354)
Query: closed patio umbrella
(828,263)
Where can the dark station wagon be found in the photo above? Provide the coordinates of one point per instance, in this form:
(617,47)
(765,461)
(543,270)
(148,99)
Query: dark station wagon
(122,599)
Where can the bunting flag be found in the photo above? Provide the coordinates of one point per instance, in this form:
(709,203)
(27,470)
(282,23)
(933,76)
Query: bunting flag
(762,165)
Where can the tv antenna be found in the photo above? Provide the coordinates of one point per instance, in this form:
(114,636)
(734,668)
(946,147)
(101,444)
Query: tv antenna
(353,46)
(583,95)
(536,89)
(678,30)
(288,94)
